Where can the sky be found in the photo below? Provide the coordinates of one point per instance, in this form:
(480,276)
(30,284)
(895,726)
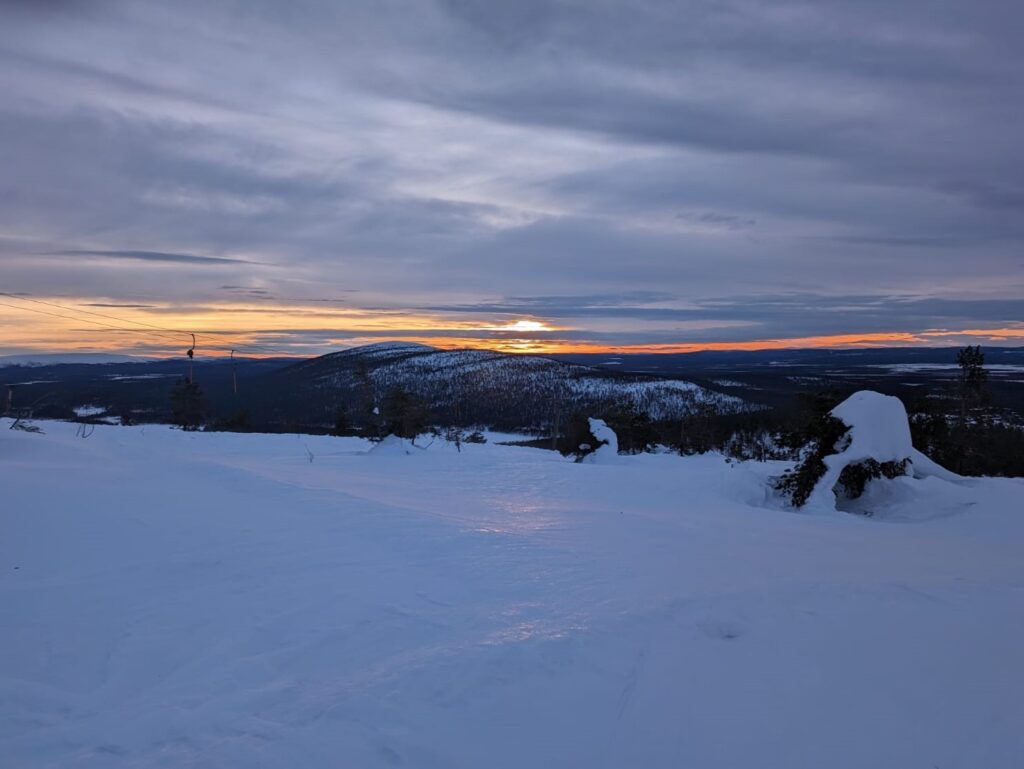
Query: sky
(292,178)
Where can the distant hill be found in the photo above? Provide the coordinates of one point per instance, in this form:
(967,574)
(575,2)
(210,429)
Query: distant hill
(54,359)
(481,386)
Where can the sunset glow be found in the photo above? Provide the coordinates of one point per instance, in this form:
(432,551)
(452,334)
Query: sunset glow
(527,325)
(44,323)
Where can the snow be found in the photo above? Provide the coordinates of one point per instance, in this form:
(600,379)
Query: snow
(392,445)
(608,442)
(175,599)
(387,349)
(910,368)
(89,411)
(879,430)
(140,377)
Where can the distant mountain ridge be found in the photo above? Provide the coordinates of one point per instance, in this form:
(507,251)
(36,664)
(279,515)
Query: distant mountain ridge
(61,358)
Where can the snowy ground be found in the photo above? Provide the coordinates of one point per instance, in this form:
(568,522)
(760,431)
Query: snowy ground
(215,600)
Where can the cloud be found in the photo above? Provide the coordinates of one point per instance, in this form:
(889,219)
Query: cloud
(152,256)
(625,165)
(120,304)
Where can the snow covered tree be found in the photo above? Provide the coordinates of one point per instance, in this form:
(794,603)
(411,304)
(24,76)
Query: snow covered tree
(865,437)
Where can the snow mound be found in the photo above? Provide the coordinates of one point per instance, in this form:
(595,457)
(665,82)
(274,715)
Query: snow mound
(879,430)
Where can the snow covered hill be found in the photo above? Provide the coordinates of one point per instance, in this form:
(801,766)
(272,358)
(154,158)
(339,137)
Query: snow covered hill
(216,600)
(501,388)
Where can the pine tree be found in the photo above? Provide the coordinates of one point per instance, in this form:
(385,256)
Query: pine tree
(971,394)
(369,411)
(341,426)
(971,380)
(187,404)
(403,414)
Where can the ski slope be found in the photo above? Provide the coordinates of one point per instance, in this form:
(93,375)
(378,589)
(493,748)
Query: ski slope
(177,599)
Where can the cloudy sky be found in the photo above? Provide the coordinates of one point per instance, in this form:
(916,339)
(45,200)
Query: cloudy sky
(579,174)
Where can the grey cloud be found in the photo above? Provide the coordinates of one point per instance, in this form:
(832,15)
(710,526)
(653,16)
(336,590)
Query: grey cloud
(787,315)
(152,256)
(988,195)
(882,240)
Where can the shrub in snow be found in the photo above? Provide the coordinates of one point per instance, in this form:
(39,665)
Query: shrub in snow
(798,484)
(458,436)
(865,437)
(855,477)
